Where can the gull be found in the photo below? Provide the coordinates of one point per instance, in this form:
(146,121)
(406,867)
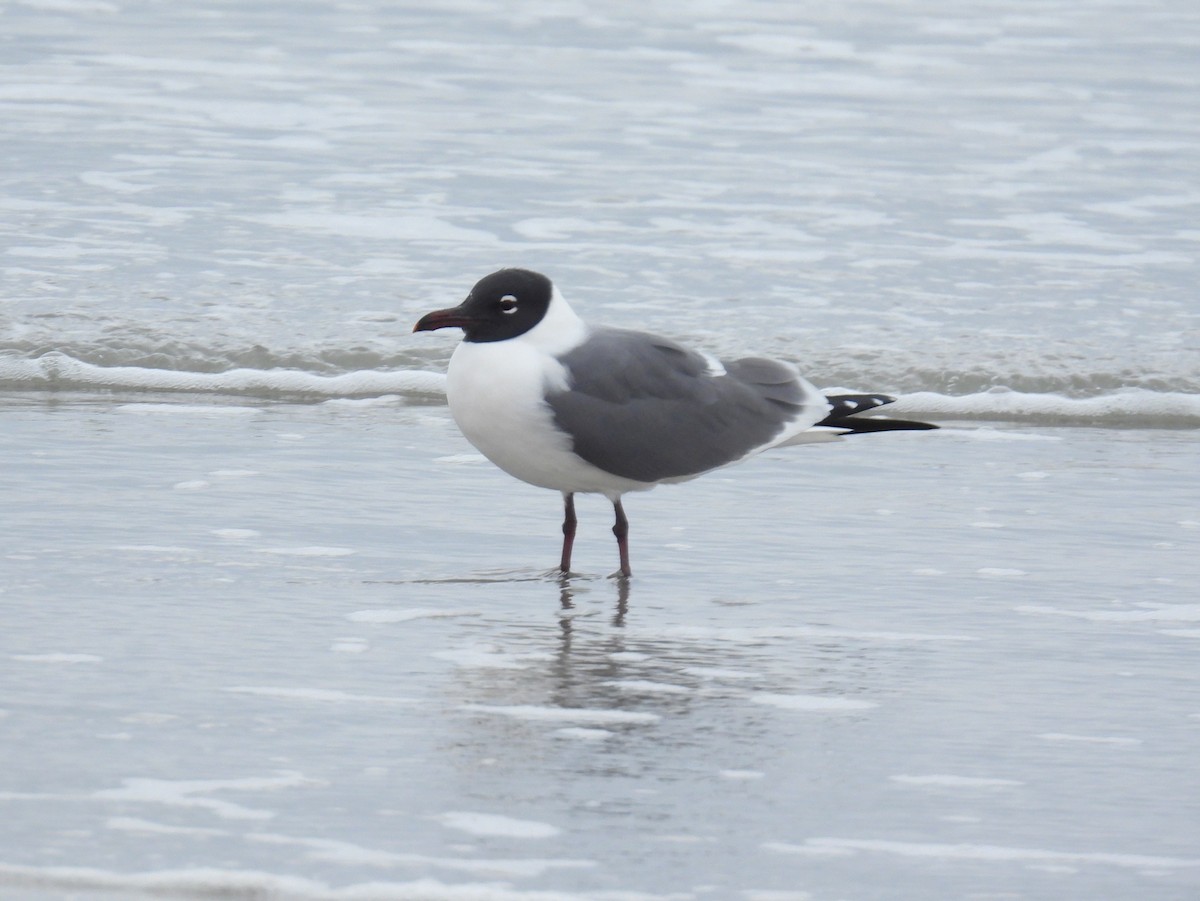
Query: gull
(580,408)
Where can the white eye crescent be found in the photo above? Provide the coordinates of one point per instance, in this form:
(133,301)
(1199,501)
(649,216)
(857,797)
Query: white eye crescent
(508,304)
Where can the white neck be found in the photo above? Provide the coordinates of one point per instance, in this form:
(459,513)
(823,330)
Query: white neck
(559,331)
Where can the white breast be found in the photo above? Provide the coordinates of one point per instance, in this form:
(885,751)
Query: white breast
(496,392)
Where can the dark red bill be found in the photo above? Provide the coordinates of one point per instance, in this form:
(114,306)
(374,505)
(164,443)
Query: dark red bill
(451,318)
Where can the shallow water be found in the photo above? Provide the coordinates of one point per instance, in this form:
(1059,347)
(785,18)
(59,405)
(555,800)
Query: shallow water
(308,648)
(272,629)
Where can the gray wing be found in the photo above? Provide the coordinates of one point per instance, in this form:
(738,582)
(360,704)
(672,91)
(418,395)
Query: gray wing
(645,408)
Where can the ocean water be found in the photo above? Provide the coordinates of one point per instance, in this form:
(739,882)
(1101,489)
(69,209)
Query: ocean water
(272,629)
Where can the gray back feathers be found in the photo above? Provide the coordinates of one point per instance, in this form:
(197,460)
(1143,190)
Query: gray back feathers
(670,417)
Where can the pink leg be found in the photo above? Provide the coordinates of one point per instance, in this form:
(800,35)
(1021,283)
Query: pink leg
(621,530)
(568,530)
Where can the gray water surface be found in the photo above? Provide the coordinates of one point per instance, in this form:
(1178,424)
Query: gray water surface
(324,644)
(269,628)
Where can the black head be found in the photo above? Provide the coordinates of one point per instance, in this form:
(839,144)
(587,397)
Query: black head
(502,305)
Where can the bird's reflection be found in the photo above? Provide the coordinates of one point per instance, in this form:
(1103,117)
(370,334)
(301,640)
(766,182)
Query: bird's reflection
(587,671)
(567,591)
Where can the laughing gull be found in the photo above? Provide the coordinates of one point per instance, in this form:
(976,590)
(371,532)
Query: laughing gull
(580,408)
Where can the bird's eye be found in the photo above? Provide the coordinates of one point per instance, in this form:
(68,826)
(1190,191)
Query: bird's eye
(508,304)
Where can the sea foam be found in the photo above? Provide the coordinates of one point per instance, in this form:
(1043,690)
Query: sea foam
(58,371)
(1068,403)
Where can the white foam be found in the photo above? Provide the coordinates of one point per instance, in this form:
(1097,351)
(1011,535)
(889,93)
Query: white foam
(74,6)
(313,551)
(1178,613)
(60,371)
(557,228)
(645,686)
(36,796)
(185,409)
(628,656)
(757,634)
(320,695)
(221,883)
(991,433)
(406,614)
(810,849)
(363,403)
(583,733)
(1091,739)
(190,793)
(149,718)
(236,534)
(147,827)
(496,825)
(155,549)
(741,775)
(391,228)
(203,882)
(718,674)
(58,658)
(460,459)
(486,657)
(568,714)
(1128,406)
(349,854)
(945,780)
(333,850)
(968,851)
(678,839)
(811,703)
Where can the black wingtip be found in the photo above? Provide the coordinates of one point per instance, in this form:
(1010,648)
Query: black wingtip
(845,408)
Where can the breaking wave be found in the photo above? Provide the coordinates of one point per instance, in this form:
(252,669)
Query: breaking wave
(1127,407)
(1057,404)
(57,371)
